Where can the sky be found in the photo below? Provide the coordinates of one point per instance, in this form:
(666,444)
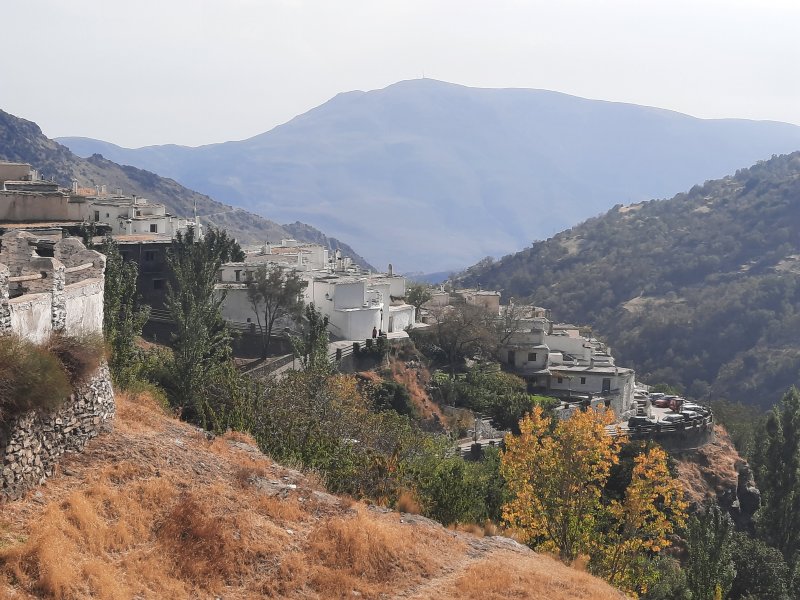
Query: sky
(195,72)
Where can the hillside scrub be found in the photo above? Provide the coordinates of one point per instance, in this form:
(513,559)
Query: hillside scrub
(156,509)
(41,377)
(701,291)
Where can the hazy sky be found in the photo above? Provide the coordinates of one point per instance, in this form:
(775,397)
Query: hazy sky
(200,71)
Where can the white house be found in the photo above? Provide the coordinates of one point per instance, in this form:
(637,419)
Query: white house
(555,359)
(357,304)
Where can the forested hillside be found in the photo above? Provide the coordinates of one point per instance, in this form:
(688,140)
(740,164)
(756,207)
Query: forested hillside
(700,291)
(23,141)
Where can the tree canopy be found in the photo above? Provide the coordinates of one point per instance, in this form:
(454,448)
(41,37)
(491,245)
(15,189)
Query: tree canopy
(274,293)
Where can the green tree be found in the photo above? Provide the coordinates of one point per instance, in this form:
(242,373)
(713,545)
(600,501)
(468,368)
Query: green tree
(761,572)
(462,331)
(776,466)
(709,564)
(123,315)
(202,342)
(312,345)
(418,294)
(218,243)
(669,581)
(274,293)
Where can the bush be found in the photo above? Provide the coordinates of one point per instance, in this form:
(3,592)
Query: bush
(31,378)
(80,355)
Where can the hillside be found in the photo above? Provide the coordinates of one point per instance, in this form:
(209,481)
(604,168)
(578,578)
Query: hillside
(23,141)
(157,510)
(433,176)
(702,290)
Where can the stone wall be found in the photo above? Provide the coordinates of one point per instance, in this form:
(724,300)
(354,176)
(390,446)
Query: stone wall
(31,444)
(40,295)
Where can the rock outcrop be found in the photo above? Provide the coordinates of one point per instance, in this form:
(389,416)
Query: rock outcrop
(717,471)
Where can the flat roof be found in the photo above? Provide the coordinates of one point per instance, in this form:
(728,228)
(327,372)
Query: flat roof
(40,225)
(134,238)
(591,369)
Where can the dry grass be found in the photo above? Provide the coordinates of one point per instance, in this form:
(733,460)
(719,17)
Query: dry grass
(156,510)
(81,355)
(513,578)
(407,502)
(416,381)
(370,555)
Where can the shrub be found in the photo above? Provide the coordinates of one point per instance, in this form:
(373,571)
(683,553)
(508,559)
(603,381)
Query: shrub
(30,378)
(81,355)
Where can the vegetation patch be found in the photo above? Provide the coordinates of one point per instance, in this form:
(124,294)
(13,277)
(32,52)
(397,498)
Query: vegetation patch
(31,378)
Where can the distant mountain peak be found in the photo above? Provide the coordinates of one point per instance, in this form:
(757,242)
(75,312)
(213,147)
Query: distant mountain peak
(432,175)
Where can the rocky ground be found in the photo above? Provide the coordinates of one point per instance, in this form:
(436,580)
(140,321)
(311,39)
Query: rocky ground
(157,509)
(717,471)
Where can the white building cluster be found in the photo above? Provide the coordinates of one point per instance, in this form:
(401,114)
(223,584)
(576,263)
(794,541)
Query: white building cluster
(355,301)
(557,360)
(25,198)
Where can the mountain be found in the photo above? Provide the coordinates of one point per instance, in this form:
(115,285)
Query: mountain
(23,141)
(433,176)
(154,509)
(700,291)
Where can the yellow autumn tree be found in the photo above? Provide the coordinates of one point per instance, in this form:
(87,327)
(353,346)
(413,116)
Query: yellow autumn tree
(639,525)
(555,475)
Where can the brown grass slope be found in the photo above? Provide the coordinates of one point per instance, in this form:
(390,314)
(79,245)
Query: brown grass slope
(157,510)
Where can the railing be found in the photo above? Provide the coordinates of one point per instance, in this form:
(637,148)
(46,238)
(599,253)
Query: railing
(21,278)
(701,422)
(77,268)
(262,367)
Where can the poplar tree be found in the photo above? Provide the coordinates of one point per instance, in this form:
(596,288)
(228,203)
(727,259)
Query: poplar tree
(709,565)
(776,466)
(123,315)
(201,342)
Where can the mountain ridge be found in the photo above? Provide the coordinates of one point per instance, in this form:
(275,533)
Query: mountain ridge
(433,176)
(22,140)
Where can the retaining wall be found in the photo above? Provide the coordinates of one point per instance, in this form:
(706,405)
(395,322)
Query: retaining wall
(31,444)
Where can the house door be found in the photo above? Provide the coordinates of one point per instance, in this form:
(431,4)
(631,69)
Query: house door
(511,358)
(391,324)
(606,385)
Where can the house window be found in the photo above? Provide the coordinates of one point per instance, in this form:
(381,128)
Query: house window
(531,356)
(158,284)
(583,380)
(149,255)
(238,274)
(107,215)
(97,215)
(153,227)
(560,380)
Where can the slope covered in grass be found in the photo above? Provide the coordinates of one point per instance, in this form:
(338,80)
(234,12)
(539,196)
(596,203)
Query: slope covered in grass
(156,509)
